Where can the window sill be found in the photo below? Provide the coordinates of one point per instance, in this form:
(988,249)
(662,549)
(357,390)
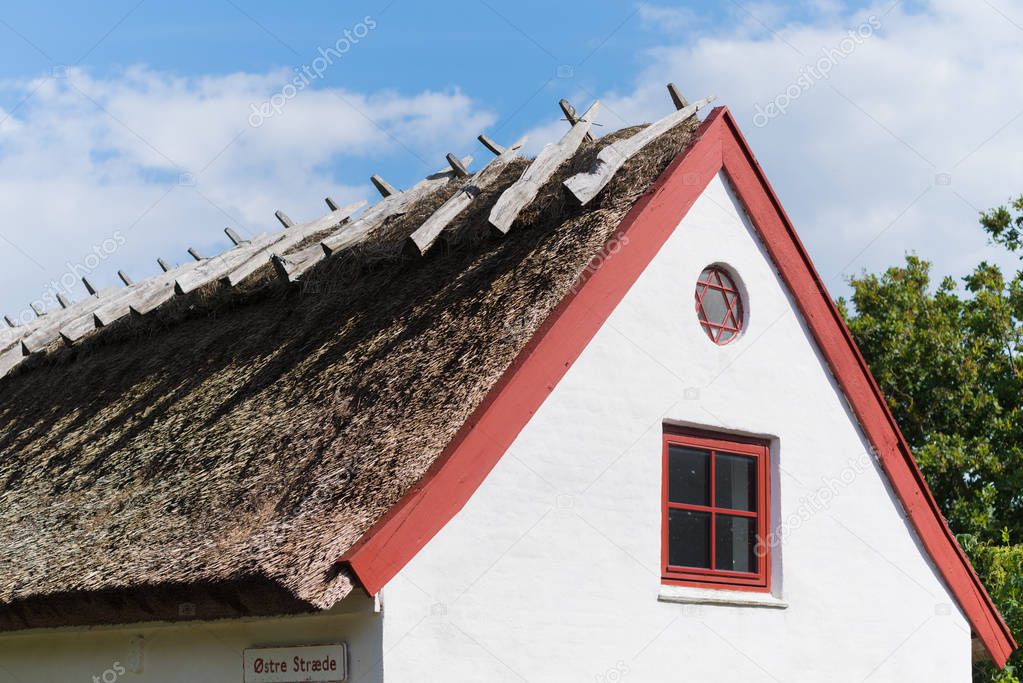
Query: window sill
(713,596)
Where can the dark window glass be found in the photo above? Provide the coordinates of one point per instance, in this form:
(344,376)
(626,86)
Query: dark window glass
(688,476)
(735,482)
(734,543)
(689,538)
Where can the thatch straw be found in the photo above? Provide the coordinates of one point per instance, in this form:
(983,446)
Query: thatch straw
(260,430)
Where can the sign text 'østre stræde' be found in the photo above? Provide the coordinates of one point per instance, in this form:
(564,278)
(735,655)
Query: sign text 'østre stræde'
(320,663)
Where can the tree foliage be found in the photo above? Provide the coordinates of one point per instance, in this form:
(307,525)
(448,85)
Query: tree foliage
(948,357)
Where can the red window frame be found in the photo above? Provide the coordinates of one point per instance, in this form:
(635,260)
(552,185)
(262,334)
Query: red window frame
(760,580)
(719,279)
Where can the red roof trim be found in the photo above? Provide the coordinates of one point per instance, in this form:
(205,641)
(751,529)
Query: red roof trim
(862,392)
(396,538)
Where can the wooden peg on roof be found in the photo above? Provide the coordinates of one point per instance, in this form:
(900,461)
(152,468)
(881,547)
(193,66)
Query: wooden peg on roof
(37,309)
(10,323)
(572,117)
(383,187)
(457,166)
(89,287)
(63,301)
(331,204)
(233,236)
(676,97)
(490,144)
(125,278)
(164,266)
(194,253)
(284,219)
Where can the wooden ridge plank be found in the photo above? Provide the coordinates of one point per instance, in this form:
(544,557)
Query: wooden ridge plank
(373,218)
(289,239)
(522,193)
(150,299)
(217,267)
(146,299)
(586,186)
(121,306)
(426,235)
(291,267)
(391,206)
(78,327)
(12,334)
(76,320)
(49,331)
(155,290)
(114,310)
(10,359)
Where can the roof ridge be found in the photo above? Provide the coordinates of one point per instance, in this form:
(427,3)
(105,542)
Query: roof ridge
(289,255)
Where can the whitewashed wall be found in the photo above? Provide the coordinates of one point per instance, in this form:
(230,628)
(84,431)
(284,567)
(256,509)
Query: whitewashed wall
(201,652)
(550,573)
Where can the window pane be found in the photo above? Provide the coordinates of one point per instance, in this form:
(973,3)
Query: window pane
(714,305)
(699,311)
(735,539)
(689,538)
(735,483)
(688,476)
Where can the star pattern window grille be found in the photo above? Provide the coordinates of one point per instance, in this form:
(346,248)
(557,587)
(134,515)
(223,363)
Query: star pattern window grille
(718,305)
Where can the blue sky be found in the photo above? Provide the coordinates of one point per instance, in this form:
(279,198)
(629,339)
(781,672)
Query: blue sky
(505,56)
(130,123)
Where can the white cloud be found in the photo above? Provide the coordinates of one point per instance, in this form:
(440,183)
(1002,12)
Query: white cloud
(86,157)
(931,91)
(663,18)
(854,158)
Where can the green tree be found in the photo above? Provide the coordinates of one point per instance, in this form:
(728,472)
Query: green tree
(949,360)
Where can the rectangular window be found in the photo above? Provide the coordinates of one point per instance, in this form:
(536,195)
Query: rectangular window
(715,511)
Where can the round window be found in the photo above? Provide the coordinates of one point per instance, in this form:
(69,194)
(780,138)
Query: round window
(718,305)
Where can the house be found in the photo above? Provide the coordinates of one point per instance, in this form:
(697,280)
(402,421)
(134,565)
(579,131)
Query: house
(591,417)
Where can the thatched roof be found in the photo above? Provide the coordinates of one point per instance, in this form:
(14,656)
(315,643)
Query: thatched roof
(237,441)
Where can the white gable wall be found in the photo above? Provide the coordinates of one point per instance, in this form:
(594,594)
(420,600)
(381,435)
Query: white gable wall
(186,652)
(551,571)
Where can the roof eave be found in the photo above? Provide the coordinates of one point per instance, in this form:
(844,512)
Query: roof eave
(245,597)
